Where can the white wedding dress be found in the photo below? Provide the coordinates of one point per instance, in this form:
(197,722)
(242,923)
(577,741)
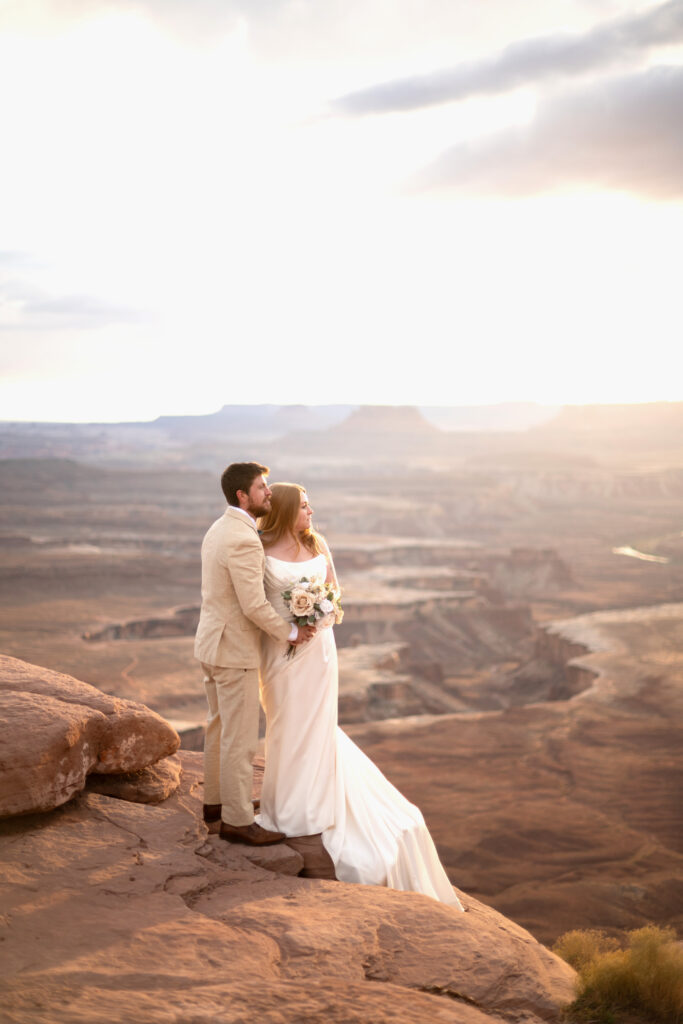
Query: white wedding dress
(318,781)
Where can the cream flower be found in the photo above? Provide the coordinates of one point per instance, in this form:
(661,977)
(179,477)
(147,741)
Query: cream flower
(302,603)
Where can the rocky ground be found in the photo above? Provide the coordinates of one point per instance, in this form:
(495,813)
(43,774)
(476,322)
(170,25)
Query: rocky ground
(119,911)
(164,924)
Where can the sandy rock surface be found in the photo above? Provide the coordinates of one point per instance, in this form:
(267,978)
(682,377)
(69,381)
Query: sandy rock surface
(116,911)
(55,730)
(150,785)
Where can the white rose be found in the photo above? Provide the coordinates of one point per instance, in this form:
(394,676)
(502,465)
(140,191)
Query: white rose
(326,606)
(302,603)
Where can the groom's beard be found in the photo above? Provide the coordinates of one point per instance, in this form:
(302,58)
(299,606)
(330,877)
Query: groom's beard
(258,510)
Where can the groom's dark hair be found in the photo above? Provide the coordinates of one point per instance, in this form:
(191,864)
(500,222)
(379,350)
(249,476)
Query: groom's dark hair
(239,476)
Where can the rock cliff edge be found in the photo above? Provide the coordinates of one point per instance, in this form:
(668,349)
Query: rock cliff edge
(115,910)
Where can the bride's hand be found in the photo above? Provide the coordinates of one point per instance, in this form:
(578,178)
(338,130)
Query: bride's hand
(304,633)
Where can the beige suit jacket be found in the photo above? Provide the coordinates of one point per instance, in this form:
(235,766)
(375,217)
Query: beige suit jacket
(234,606)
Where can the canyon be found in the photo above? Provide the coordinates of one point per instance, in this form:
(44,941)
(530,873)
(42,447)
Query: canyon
(504,658)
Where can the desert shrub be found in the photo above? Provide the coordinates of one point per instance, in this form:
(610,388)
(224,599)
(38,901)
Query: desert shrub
(580,948)
(644,979)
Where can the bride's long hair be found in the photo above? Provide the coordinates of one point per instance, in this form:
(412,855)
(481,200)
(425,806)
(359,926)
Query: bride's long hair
(284,512)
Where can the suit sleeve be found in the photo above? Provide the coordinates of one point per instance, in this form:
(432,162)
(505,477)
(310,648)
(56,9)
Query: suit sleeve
(244,560)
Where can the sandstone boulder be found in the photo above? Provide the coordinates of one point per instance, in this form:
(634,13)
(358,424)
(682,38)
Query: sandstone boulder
(151,785)
(55,730)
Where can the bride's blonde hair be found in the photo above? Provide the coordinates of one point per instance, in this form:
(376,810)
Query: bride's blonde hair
(284,511)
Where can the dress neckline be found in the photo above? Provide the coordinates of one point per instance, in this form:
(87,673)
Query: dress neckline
(304,561)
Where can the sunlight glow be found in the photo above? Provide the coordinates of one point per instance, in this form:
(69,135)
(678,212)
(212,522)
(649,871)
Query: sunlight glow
(192,216)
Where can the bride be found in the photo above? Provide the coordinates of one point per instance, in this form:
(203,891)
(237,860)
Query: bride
(316,779)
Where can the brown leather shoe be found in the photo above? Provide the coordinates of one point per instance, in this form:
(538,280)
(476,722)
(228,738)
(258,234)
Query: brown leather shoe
(252,835)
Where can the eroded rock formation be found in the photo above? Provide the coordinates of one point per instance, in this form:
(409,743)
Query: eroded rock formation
(151,785)
(56,730)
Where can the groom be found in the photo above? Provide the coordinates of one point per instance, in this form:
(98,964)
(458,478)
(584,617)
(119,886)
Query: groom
(234,610)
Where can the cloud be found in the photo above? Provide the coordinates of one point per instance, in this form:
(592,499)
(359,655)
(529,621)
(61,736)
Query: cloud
(78,311)
(27,307)
(532,60)
(193,20)
(15,258)
(621,134)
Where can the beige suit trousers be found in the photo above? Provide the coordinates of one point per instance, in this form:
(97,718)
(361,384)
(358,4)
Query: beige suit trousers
(231,740)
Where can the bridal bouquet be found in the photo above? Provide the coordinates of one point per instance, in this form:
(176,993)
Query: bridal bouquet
(311,601)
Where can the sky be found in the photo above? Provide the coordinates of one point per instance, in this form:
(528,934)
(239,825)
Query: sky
(430,202)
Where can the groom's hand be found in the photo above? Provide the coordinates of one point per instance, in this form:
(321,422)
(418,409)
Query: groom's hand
(304,633)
